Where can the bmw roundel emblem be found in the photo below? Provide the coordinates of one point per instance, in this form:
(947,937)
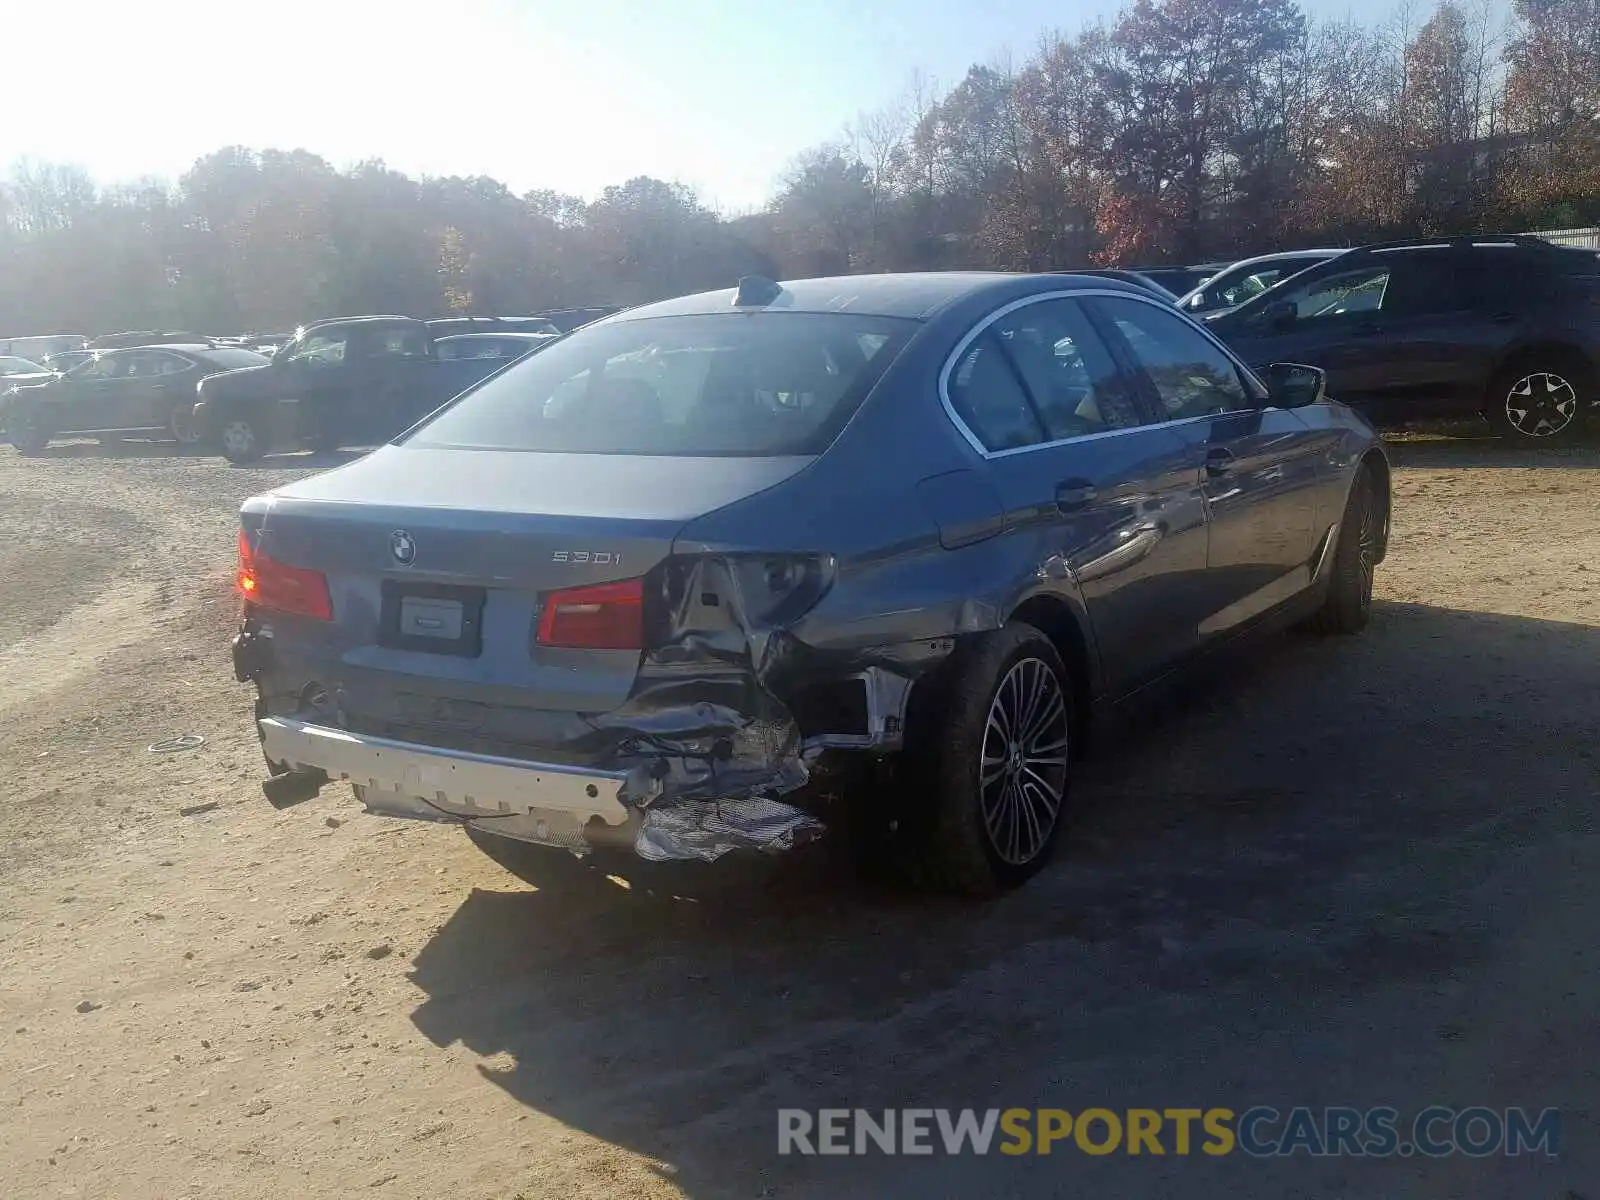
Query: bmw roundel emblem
(403,546)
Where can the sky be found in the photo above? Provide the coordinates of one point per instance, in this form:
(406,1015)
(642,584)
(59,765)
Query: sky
(571,95)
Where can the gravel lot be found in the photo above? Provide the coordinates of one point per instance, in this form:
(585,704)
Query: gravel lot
(1353,872)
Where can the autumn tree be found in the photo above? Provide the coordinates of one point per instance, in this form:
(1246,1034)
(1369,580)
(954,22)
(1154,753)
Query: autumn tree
(1552,105)
(1173,89)
(1180,129)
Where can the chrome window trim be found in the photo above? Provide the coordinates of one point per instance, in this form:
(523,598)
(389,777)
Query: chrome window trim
(982,326)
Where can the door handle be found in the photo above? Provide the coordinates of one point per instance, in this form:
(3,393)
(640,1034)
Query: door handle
(1219,461)
(1503,318)
(1365,329)
(1074,494)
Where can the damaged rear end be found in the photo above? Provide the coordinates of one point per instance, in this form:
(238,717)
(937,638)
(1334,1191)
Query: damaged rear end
(507,621)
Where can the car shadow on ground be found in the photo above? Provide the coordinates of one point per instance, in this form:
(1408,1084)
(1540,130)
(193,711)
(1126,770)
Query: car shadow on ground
(1487,450)
(1309,825)
(130,447)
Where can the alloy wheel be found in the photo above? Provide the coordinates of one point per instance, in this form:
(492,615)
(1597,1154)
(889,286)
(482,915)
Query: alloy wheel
(182,427)
(1367,546)
(1023,768)
(1541,404)
(27,435)
(238,437)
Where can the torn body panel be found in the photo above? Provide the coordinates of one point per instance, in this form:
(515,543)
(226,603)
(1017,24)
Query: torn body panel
(729,709)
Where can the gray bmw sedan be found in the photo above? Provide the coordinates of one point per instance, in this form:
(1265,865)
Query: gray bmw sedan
(631,594)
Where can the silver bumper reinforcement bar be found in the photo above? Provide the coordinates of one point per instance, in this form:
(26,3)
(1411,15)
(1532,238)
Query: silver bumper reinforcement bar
(393,776)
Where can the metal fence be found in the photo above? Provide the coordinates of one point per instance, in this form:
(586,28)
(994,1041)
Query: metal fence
(1587,239)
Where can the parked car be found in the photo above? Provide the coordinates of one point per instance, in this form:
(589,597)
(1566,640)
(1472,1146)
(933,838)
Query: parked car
(37,346)
(567,319)
(631,592)
(17,372)
(1182,280)
(347,382)
(130,339)
(269,343)
(1508,327)
(1247,279)
(447,326)
(118,392)
(490,345)
(1137,278)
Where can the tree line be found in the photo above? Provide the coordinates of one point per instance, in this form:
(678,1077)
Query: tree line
(1183,130)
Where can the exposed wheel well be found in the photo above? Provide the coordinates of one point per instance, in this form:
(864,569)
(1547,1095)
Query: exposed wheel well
(1054,618)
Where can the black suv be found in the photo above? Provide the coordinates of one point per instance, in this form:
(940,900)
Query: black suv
(1508,327)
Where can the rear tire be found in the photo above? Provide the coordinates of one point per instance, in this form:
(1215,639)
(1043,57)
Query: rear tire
(1542,400)
(995,761)
(240,440)
(180,423)
(1348,604)
(28,436)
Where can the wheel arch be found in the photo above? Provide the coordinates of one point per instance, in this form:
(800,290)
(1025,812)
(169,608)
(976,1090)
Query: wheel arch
(1538,351)
(1057,619)
(1376,461)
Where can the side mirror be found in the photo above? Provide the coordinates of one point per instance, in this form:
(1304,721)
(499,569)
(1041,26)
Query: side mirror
(1294,385)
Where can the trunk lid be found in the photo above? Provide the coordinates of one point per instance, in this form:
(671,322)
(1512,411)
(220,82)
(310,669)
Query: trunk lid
(471,542)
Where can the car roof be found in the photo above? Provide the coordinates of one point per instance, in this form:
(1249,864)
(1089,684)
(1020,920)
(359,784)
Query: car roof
(505,335)
(913,295)
(378,319)
(187,347)
(1325,252)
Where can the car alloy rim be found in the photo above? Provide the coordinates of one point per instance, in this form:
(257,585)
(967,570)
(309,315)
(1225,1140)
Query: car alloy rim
(1023,764)
(238,437)
(1541,404)
(1367,545)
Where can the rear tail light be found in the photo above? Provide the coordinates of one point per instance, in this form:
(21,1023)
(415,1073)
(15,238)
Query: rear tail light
(270,584)
(605,616)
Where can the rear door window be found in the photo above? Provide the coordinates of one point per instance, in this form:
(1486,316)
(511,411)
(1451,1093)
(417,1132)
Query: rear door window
(108,365)
(398,344)
(735,384)
(986,391)
(1423,282)
(1072,378)
(145,364)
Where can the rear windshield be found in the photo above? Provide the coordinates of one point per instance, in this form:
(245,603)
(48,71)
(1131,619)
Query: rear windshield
(230,359)
(719,385)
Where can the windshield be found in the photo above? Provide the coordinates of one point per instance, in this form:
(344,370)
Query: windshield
(1246,281)
(20,366)
(730,385)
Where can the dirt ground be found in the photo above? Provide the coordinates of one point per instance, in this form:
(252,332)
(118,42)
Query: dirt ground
(1352,872)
